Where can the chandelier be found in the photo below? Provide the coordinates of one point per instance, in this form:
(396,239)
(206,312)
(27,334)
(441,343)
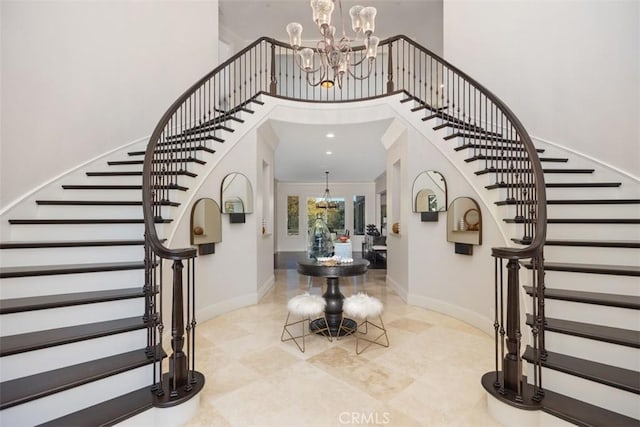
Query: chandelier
(326,202)
(335,55)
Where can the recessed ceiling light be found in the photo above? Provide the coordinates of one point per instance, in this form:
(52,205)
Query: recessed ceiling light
(329,153)
(330,135)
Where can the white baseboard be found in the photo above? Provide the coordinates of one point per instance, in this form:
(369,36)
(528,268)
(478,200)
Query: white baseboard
(472,318)
(225,306)
(266,287)
(397,288)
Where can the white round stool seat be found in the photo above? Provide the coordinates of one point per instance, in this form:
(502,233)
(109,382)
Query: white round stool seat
(306,305)
(362,305)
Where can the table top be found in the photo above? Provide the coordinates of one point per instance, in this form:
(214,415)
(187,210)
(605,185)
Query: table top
(311,267)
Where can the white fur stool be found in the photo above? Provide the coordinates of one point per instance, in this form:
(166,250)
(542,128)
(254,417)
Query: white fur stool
(363,306)
(301,309)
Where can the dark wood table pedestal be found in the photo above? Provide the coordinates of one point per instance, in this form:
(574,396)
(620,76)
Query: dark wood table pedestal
(333,296)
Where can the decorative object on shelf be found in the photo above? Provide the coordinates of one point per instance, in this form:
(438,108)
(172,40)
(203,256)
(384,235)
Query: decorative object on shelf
(237,197)
(335,55)
(429,195)
(464,225)
(396,227)
(206,225)
(471,220)
(320,242)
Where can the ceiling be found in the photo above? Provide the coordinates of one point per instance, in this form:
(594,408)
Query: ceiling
(357,153)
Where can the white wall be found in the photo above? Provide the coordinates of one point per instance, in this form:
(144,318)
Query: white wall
(570,70)
(344,190)
(81,78)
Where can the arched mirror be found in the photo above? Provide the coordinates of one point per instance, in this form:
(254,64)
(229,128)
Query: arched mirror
(464,224)
(237,197)
(429,195)
(206,225)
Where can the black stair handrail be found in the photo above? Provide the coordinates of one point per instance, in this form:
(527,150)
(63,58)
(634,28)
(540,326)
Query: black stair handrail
(532,249)
(201,113)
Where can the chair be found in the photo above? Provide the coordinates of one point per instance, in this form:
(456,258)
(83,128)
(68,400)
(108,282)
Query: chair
(301,309)
(365,307)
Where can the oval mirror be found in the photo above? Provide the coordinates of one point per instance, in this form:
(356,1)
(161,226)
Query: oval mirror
(429,192)
(464,221)
(237,196)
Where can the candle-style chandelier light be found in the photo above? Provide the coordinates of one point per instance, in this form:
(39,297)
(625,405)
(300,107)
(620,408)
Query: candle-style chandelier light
(326,202)
(335,56)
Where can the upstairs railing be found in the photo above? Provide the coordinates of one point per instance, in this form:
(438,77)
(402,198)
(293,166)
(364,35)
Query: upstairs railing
(481,122)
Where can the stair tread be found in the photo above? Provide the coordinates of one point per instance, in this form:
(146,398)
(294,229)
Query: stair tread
(522,158)
(588,243)
(25,389)
(121,187)
(557,185)
(20,343)
(544,170)
(578,221)
(68,243)
(582,413)
(109,412)
(625,337)
(490,148)
(621,270)
(35,221)
(573,202)
(623,379)
(102,203)
(139,173)
(45,270)
(480,136)
(174,150)
(18,305)
(156,161)
(599,298)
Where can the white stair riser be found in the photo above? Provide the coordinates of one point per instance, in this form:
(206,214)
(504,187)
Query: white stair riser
(181,180)
(593,211)
(587,282)
(592,392)
(22,287)
(581,211)
(77,232)
(90,211)
(579,193)
(592,255)
(129,195)
(594,231)
(591,313)
(31,321)
(71,255)
(47,359)
(66,402)
(596,351)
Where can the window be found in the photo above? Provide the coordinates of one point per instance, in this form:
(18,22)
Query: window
(358,215)
(293,210)
(335,217)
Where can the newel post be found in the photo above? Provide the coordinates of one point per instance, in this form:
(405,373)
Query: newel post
(178,360)
(512,364)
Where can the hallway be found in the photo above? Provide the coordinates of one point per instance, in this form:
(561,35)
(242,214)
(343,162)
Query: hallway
(429,376)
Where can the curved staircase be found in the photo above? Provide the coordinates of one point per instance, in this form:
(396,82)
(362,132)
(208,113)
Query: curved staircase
(72,311)
(591,371)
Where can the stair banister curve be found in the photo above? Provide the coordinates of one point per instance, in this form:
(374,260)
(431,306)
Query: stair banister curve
(480,121)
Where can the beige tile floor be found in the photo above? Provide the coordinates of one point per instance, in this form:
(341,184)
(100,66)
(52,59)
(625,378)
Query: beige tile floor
(429,376)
